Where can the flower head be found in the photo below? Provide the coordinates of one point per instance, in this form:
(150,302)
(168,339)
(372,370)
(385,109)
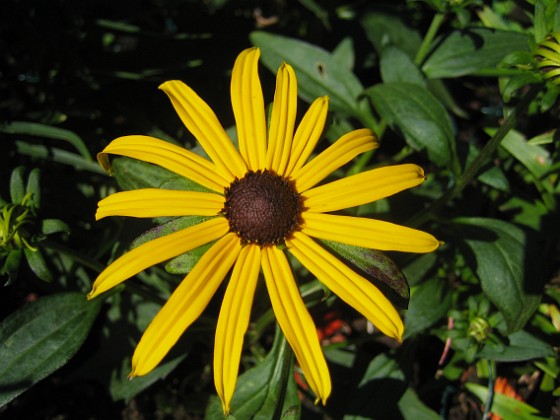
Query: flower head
(263,194)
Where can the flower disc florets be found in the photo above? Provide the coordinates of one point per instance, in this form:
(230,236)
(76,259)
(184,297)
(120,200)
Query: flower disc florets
(262,208)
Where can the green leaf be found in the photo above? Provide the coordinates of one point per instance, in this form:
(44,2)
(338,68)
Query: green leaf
(132,174)
(430,302)
(47,131)
(384,30)
(11,265)
(420,117)
(535,158)
(34,188)
(262,389)
(412,408)
(397,66)
(521,346)
(344,53)
(504,406)
(172,226)
(17,185)
(41,337)
(464,52)
(376,267)
(318,72)
(183,264)
(50,226)
(38,264)
(507,264)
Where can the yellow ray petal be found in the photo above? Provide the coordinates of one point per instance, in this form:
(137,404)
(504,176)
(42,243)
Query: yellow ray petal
(362,188)
(202,122)
(295,321)
(347,284)
(174,158)
(282,120)
(153,202)
(248,108)
(308,134)
(185,304)
(367,233)
(156,251)
(233,322)
(340,153)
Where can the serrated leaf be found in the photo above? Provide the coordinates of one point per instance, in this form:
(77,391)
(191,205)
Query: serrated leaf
(318,72)
(420,117)
(504,406)
(507,264)
(258,391)
(464,52)
(41,337)
(377,267)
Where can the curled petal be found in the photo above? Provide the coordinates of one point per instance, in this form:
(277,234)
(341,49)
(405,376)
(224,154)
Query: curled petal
(153,202)
(295,321)
(348,285)
(367,233)
(248,108)
(185,304)
(233,322)
(338,154)
(202,122)
(362,188)
(156,251)
(173,158)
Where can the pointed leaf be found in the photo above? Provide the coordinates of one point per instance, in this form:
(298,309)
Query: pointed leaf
(17,185)
(34,188)
(38,264)
(41,337)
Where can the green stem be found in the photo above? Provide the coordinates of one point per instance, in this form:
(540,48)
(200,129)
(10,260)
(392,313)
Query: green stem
(427,41)
(490,398)
(483,157)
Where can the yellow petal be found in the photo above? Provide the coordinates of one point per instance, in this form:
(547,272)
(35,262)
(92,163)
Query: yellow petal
(282,120)
(367,233)
(156,251)
(295,321)
(338,154)
(248,108)
(308,134)
(233,322)
(347,285)
(362,188)
(173,158)
(185,304)
(202,122)
(153,202)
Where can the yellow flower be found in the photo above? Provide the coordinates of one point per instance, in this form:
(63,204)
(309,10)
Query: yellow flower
(265,194)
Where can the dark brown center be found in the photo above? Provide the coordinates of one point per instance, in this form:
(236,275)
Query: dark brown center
(262,208)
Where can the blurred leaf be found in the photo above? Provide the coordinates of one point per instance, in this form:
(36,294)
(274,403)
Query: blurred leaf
(507,264)
(172,226)
(397,66)
(375,266)
(379,391)
(496,178)
(419,267)
(50,226)
(17,185)
(522,346)
(47,131)
(384,30)
(183,264)
(418,114)
(41,337)
(318,72)
(259,390)
(535,158)
(34,187)
(38,264)
(344,53)
(472,50)
(11,264)
(430,302)
(412,408)
(504,406)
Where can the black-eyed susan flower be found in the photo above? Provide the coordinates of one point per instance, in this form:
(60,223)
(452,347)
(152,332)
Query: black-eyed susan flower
(266,202)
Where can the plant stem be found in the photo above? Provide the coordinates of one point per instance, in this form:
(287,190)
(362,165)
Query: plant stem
(484,155)
(427,41)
